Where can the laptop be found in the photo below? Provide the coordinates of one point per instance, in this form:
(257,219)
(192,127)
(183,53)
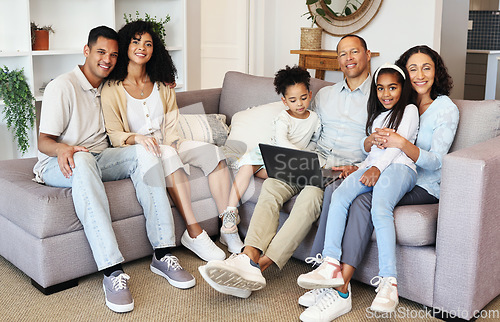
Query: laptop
(296,166)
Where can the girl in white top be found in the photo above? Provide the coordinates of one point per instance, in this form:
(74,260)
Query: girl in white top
(389,172)
(294,128)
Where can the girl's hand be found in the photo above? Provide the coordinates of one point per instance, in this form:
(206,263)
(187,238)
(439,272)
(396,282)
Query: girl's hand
(370,177)
(149,143)
(388,138)
(346,170)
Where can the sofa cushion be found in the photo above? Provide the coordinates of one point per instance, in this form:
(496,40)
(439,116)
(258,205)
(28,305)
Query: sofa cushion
(241,91)
(210,128)
(45,211)
(249,128)
(479,121)
(416,225)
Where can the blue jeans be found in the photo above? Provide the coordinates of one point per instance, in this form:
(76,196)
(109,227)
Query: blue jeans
(91,203)
(394,182)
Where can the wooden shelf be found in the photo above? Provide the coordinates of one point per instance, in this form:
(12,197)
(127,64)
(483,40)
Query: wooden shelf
(320,60)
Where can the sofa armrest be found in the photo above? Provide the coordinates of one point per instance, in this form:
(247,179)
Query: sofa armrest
(210,99)
(468,238)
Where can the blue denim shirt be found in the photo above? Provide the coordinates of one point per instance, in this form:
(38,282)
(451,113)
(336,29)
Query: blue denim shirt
(343,116)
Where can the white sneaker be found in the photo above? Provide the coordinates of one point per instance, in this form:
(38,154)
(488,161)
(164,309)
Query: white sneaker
(328,274)
(312,297)
(203,246)
(236,271)
(234,291)
(387,294)
(230,218)
(329,307)
(232,241)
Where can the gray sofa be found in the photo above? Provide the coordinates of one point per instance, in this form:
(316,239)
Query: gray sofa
(448,262)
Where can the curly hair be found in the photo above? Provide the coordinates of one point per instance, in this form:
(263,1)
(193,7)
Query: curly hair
(160,68)
(289,76)
(375,108)
(443,82)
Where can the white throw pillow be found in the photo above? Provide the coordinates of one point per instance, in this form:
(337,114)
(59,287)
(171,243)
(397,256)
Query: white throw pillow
(251,127)
(210,128)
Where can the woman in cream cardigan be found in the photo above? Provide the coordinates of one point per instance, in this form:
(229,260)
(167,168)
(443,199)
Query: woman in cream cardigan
(140,107)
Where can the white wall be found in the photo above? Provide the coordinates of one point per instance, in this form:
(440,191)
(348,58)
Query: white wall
(398,26)
(193,44)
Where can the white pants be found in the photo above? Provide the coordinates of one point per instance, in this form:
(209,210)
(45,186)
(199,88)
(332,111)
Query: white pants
(203,155)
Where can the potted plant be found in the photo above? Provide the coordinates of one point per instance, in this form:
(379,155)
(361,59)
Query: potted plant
(40,36)
(19,107)
(158,25)
(310,38)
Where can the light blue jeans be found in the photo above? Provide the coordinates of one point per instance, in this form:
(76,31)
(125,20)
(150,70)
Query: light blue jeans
(91,203)
(394,182)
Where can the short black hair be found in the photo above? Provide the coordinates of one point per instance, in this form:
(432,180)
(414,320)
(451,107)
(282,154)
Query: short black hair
(290,76)
(363,42)
(101,31)
(160,68)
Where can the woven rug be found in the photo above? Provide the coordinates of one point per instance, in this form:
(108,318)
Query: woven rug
(156,300)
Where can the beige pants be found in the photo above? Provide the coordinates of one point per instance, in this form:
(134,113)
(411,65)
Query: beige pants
(263,231)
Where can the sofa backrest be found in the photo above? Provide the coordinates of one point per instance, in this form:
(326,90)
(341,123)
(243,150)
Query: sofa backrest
(241,91)
(479,121)
(199,101)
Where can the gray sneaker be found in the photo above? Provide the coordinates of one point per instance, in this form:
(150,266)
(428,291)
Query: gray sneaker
(168,266)
(118,296)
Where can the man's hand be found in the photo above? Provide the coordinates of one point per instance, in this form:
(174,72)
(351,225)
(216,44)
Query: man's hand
(65,158)
(48,145)
(370,177)
(346,170)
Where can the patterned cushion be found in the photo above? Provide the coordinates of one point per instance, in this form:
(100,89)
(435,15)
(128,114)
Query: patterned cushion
(210,128)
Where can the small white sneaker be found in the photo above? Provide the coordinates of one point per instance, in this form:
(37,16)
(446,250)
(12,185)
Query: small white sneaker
(230,220)
(232,241)
(312,297)
(387,294)
(234,291)
(328,274)
(236,271)
(329,307)
(203,246)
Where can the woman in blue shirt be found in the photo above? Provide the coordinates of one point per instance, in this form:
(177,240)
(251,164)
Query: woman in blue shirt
(438,123)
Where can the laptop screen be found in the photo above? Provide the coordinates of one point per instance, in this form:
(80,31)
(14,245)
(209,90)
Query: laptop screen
(292,166)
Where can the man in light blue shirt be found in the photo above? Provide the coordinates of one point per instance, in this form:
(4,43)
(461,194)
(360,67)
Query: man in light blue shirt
(343,117)
(343,114)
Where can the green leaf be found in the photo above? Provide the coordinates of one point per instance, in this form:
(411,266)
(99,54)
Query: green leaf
(347,11)
(320,12)
(19,108)
(355,8)
(328,2)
